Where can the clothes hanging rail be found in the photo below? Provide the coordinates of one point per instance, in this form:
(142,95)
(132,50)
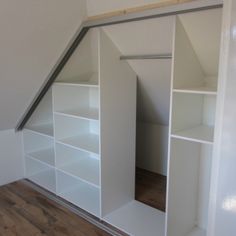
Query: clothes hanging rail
(146,57)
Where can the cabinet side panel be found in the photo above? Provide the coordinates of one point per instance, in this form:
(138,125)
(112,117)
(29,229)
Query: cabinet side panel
(183,187)
(118,127)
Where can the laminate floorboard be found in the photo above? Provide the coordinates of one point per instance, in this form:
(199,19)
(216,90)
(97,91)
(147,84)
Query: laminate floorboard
(151,189)
(25,212)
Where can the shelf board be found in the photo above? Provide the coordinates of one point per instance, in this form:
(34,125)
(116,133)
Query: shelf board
(84,196)
(197,232)
(83,113)
(86,142)
(44,129)
(46,179)
(46,156)
(201,134)
(78,83)
(136,218)
(198,90)
(87,169)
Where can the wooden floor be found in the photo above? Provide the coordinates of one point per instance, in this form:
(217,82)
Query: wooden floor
(25,212)
(151,189)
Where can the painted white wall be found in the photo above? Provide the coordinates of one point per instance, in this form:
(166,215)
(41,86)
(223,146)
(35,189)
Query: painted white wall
(11,157)
(152,147)
(33,36)
(103,6)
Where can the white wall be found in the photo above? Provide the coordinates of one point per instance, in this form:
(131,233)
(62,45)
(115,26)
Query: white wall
(104,6)
(152,147)
(33,36)
(11,156)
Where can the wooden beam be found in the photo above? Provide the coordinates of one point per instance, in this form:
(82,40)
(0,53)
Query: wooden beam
(152,6)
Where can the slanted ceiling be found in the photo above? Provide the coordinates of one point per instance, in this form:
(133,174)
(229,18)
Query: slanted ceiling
(33,36)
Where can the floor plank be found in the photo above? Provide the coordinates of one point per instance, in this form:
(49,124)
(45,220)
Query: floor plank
(25,212)
(151,189)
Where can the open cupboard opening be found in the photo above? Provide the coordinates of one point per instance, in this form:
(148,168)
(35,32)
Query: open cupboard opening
(109,127)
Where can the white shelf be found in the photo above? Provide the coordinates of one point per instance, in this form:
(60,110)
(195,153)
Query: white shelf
(85,197)
(78,83)
(138,219)
(197,232)
(201,134)
(198,90)
(45,129)
(46,156)
(87,169)
(83,113)
(86,142)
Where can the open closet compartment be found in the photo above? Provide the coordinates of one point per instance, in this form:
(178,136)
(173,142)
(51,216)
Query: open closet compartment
(193,110)
(83,66)
(145,215)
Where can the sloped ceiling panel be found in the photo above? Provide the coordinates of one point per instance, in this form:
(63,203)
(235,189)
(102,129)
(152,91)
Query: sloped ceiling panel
(33,35)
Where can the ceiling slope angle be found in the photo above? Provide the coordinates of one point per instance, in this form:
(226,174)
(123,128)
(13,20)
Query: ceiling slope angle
(33,36)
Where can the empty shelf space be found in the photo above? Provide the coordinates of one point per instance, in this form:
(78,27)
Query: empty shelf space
(138,219)
(84,113)
(87,142)
(46,156)
(85,197)
(45,179)
(201,134)
(198,90)
(87,169)
(45,129)
(41,174)
(197,232)
(89,79)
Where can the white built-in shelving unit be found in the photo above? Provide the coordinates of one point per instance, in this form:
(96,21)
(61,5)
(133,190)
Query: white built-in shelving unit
(192,120)
(80,136)
(80,142)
